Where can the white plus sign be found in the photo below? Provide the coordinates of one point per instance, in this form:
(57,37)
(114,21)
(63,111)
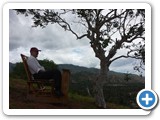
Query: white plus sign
(147,99)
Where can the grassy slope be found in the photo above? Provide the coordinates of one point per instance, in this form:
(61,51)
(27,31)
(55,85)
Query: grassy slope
(18,99)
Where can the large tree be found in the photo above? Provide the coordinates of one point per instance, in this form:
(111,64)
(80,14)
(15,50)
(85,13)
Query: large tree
(108,30)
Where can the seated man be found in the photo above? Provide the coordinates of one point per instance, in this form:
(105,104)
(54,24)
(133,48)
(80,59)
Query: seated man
(39,71)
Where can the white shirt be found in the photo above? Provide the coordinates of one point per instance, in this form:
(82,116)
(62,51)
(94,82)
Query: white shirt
(34,65)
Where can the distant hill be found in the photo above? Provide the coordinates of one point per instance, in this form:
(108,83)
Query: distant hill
(90,73)
(76,69)
(80,73)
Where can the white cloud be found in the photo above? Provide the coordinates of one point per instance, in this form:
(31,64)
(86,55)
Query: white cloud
(82,56)
(56,44)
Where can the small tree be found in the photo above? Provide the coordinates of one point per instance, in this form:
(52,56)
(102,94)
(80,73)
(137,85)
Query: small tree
(107,30)
(127,77)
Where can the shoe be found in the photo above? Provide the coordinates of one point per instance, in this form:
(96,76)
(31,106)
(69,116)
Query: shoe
(58,93)
(42,88)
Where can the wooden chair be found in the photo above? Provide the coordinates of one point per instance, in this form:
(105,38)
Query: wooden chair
(35,86)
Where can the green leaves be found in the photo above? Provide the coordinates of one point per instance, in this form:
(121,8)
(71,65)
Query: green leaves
(48,64)
(106,42)
(115,24)
(19,71)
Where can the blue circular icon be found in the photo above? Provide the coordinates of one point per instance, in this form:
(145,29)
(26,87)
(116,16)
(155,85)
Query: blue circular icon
(147,99)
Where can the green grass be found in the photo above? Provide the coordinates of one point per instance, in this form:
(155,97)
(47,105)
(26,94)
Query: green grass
(80,98)
(18,99)
(86,102)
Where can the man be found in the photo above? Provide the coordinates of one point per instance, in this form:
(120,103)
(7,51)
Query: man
(39,71)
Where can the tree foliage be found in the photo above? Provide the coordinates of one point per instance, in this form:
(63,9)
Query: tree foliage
(48,64)
(19,71)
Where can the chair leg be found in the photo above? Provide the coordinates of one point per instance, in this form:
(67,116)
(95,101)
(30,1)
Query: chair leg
(52,89)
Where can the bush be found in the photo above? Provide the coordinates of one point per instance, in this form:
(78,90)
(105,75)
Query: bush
(19,71)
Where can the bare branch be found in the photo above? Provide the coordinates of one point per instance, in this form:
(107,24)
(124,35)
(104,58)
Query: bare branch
(70,29)
(123,56)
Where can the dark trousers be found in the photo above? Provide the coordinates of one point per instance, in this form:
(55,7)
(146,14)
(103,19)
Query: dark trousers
(50,74)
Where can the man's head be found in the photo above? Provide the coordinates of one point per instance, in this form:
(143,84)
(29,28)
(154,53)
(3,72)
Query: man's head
(34,51)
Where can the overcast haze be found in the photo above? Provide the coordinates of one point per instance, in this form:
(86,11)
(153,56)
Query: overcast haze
(56,44)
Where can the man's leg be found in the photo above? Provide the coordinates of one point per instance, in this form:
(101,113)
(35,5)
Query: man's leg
(51,74)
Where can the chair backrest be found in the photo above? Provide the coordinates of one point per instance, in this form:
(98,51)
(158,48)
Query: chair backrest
(24,59)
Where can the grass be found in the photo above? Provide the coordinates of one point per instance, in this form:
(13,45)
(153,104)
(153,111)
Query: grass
(18,99)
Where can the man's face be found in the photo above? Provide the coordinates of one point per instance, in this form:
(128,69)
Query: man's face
(35,53)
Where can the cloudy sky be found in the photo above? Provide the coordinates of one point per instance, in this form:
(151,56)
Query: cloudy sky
(56,44)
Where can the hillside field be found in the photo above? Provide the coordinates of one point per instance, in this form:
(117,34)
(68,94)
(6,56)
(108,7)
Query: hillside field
(18,100)
(119,93)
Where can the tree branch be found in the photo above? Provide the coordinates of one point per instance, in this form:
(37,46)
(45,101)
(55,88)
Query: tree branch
(123,56)
(70,29)
(109,19)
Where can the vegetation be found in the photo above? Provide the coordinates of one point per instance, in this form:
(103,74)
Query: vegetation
(107,30)
(18,70)
(18,99)
(48,64)
(118,94)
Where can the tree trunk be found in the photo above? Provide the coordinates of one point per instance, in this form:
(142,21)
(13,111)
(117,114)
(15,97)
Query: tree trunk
(99,83)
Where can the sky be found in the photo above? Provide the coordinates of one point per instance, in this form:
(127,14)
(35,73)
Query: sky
(56,44)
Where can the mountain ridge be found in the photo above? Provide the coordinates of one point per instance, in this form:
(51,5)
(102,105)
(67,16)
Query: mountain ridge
(113,77)
(85,73)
